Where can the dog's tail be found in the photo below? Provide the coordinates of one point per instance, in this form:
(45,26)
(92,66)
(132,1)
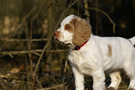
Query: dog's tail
(132,40)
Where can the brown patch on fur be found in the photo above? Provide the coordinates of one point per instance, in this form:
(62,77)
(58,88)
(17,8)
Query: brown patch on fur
(68,27)
(82,31)
(109,51)
(130,41)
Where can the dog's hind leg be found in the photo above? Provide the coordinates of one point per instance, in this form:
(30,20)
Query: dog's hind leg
(115,80)
(130,71)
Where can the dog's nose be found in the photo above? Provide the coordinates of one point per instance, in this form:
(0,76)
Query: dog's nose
(56,33)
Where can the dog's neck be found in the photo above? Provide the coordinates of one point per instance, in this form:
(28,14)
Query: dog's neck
(74,47)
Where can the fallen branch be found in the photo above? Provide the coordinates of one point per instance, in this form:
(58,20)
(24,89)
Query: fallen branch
(22,40)
(11,53)
(54,87)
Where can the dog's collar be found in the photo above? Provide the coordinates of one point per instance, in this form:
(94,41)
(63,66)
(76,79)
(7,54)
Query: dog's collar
(78,47)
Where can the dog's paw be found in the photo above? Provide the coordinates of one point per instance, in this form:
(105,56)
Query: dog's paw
(110,88)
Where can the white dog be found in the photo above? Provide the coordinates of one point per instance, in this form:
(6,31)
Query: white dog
(92,55)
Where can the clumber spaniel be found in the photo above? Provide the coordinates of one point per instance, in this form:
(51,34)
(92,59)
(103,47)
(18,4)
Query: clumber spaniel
(92,55)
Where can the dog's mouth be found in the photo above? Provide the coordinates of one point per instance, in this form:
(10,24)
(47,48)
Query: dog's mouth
(62,42)
(56,39)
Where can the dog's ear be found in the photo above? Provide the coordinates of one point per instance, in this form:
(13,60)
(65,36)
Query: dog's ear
(82,31)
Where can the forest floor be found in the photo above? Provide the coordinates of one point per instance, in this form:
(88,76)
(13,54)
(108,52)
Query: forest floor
(10,79)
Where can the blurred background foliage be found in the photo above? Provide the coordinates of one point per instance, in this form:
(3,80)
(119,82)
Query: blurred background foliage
(21,21)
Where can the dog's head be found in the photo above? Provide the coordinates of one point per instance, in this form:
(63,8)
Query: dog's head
(73,30)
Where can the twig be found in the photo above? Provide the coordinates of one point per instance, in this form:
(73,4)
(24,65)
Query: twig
(38,62)
(23,40)
(96,9)
(11,53)
(29,51)
(65,11)
(23,20)
(86,12)
(54,87)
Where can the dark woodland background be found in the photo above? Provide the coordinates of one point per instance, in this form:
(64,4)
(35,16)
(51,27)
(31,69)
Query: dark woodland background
(30,58)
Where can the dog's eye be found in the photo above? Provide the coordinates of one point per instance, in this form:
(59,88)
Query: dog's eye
(67,26)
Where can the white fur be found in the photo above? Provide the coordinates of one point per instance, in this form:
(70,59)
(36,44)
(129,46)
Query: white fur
(132,40)
(92,59)
(65,36)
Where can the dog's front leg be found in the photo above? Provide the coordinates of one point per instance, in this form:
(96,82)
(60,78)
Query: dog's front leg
(79,79)
(98,80)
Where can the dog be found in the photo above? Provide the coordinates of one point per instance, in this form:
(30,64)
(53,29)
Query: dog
(93,55)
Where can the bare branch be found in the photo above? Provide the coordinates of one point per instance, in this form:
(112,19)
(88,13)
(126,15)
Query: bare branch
(96,9)
(54,87)
(23,40)
(11,53)
(86,10)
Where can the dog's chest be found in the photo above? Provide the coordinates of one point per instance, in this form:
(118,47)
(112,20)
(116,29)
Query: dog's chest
(79,61)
